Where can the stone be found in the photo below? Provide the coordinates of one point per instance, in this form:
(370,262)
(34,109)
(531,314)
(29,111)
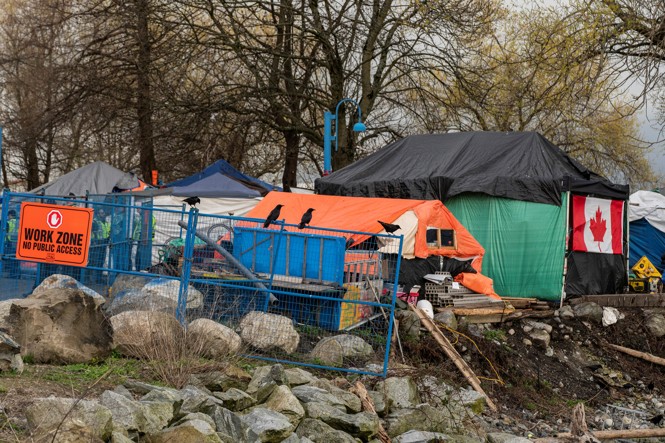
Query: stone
(566,312)
(270,426)
(197,400)
(312,394)
(118,437)
(10,354)
(540,338)
(195,416)
(266,332)
(589,311)
(539,325)
(127,414)
(409,325)
(60,326)
(124,282)
(170,288)
(59,281)
(75,419)
(350,400)
(298,376)
(333,350)
(211,339)
(142,334)
(433,391)
(424,418)
(230,377)
(421,437)
(655,324)
(363,424)
(319,432)
(379,402)
(5,306)
(235,399)
(502,437)
(264,380)
(470,398)
(447,318)
(230,428)
(283,401)
(191,431)
(401,392)
(157,414)
(121,390)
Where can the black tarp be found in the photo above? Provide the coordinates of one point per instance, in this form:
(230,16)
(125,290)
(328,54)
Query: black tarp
(592,274)
(518,165)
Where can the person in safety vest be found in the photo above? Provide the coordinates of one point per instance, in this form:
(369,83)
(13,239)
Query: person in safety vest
(10,243)
(142,257)
(99,242)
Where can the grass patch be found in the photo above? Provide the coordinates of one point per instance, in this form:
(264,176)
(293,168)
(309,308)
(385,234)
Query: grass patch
(495,334)
(87,373)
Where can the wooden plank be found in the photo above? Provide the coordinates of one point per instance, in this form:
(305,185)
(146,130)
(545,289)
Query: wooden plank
(450,350)
(623,300)
(639,354)
(476,312)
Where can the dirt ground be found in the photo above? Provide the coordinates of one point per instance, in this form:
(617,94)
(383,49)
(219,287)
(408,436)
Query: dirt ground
(534,387)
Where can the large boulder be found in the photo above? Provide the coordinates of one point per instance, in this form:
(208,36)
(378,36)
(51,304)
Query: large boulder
(265,380)
(423,418)
(60,325)
(60,281)
(231,428)
(269,331)
(76,421)
(400,392)
(363,424)
(334,350)
(124,282)
(191,431)
(312,394)
(319,432)
(5,306)
(160,294)
(144,334)
(211,339)
(283,401)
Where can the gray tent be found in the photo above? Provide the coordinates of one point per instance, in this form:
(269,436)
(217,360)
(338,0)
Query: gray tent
(95,178)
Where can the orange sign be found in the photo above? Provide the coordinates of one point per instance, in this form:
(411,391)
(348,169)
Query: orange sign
(54,234)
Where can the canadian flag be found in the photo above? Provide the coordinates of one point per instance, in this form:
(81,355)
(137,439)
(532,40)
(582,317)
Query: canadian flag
(597,225)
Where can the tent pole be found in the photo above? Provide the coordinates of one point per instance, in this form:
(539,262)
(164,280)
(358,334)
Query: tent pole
(565,251)
(626,229)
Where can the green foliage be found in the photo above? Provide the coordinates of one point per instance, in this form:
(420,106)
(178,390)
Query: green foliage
(28,359)
(87,373)
(495,334)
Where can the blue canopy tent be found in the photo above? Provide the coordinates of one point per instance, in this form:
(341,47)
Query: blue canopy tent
(222,169)
(212,186)
(646,215)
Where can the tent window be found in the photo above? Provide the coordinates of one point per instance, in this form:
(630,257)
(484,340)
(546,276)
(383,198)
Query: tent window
(441,238)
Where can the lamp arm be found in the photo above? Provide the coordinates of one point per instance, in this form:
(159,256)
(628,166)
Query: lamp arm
(345,100)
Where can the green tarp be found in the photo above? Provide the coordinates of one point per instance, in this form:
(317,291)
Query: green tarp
(524,242)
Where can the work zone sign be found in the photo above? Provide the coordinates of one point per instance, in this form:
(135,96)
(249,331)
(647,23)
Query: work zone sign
(54,234)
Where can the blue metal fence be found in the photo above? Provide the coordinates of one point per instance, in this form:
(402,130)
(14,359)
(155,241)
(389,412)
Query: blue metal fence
(316,284)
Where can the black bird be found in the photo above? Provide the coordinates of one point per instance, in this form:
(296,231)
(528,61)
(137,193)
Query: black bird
(390,228)
(192,201)
(272,216)
(306,218)
(656,419)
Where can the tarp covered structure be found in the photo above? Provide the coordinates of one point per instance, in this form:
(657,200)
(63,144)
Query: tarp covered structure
(646,214)
(220,179)
(511,192)
(95,178)
(362,214)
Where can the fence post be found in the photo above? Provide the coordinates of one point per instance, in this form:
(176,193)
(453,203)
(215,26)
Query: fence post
(275,252)
(386,357)
(187,258)
(6,198)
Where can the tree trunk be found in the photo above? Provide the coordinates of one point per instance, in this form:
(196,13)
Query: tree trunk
(143,100)
(290,177)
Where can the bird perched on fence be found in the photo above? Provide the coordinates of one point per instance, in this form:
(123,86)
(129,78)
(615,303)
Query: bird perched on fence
(273,215)
(192,201)
(390,228)
(306,218)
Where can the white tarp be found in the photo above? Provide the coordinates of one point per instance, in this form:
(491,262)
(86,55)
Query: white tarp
(648,205)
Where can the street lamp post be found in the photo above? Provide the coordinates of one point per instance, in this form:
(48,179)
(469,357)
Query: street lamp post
(328,137)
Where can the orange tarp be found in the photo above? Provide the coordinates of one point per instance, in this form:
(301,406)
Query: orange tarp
(361,214)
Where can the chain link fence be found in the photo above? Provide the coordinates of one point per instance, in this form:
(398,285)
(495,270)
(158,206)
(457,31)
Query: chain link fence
(316,297)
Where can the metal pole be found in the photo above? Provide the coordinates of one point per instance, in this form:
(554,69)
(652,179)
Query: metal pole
(327,141)
(2,182)
(565,250)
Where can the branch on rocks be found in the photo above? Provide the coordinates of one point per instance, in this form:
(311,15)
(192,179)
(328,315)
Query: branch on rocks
(359,390)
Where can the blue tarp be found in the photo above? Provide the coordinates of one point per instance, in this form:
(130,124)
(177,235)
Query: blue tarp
(215,185)
(224,169)
(645,240)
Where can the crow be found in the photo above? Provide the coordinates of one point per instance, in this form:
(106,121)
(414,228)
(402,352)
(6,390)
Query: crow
(656,419)
(306,218)
(272,216)
(390,228)
(192,201)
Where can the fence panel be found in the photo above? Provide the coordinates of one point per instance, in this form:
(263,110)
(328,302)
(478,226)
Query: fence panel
(316,297)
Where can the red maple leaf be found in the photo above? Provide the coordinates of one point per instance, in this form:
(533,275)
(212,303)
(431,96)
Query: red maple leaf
(598,227)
